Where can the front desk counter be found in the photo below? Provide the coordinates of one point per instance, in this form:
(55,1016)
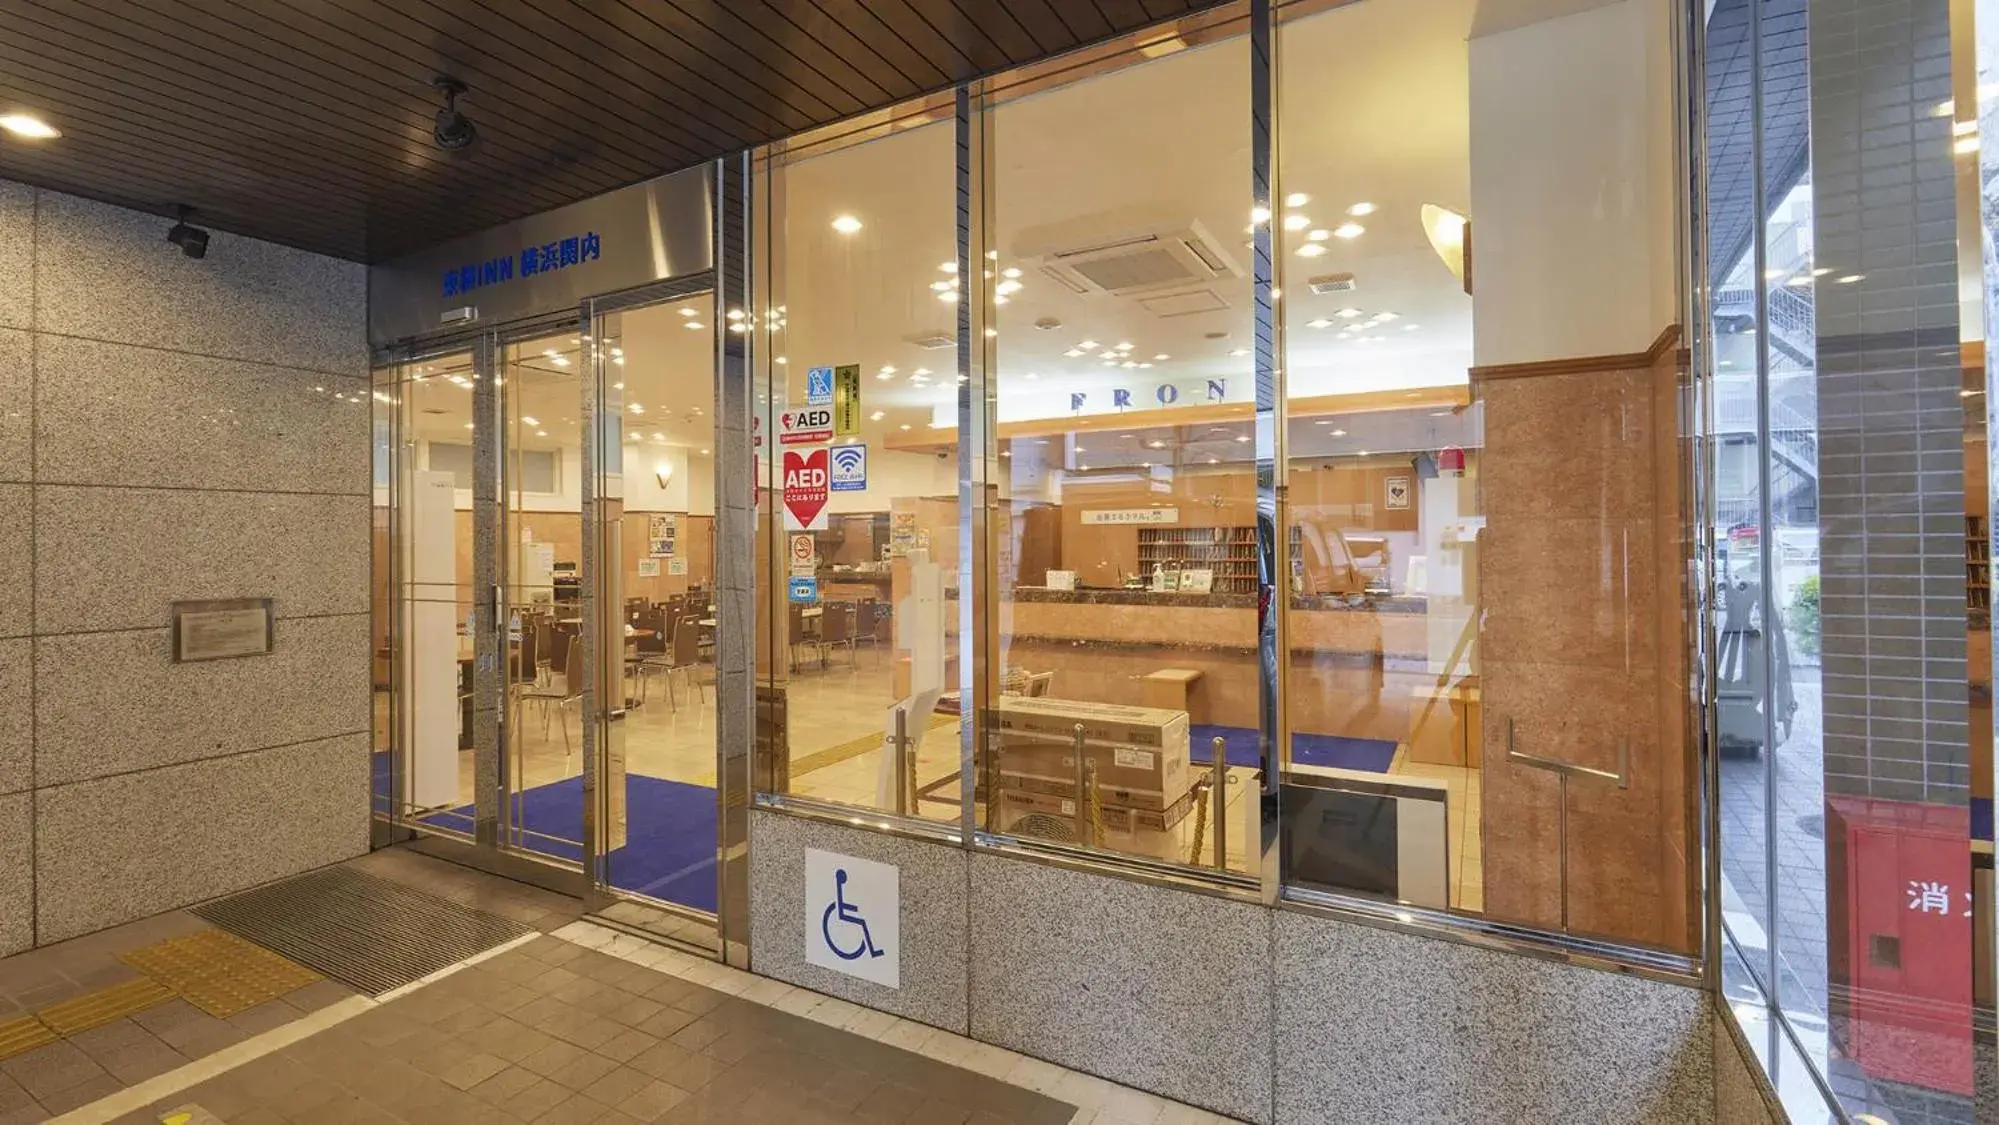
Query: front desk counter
(1357,667)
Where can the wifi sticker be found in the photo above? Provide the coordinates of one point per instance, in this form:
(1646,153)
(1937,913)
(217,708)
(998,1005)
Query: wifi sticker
(850,468)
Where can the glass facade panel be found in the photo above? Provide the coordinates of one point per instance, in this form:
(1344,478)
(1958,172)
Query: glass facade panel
(1486,486)
(1123,557)
(857,568)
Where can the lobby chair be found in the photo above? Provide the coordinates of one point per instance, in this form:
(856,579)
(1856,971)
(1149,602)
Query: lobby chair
(655,653)
(836,630)
(686,659)
(567,694)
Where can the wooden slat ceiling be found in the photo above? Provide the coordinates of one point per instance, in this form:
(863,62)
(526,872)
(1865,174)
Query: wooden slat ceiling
(308,122)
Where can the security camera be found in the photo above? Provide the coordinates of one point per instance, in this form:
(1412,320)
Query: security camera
(192,240)
(453,130)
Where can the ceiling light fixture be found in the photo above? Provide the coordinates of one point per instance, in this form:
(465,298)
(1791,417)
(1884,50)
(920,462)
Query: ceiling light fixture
(1320,322)
(1349,312)
(1311,250)
(1259,215)
(846,224)
(1349,230)
(29,127)
(687,312)
(1297,199)
(1295,221)
(1361,210)
(877,416)
(1319,234)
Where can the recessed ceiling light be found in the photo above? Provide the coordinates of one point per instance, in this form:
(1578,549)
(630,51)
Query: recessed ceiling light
(694,326)
(1319,234)
(846,224)
(905,425)
(1348,312)
(1320,322)
(528,420)
(1259,215)
(1360,209)
(1349,230)
(877,416)
(1339,433)
(948,296)
(735,314)
(1241,438)
(1240,352)
(991,332)
(1311,250)
(1296,221)
(921,371)
(1384,316)
(1086,345)
(468,425)
(541,433)
(1849,279)
(883,375)
(1010,272)
(28,127)
(1297,199)
(1322,422)
(1162,356)
(687,312)
(1072,353)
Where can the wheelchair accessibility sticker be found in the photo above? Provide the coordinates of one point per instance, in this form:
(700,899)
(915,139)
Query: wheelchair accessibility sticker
(853,917)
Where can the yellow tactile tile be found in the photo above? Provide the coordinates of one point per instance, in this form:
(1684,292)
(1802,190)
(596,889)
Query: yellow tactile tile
(95,1009)
(23,1034)
(219,972)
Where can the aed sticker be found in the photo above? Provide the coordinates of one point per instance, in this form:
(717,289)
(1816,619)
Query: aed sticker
(1133,759)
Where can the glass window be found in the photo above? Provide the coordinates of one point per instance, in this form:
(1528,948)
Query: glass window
(1487,645)
(1123,554)
(859,473)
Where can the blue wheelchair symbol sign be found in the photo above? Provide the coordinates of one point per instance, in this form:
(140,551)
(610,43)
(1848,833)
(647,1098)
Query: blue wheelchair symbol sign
(853,917)
(840,910)
(819,386)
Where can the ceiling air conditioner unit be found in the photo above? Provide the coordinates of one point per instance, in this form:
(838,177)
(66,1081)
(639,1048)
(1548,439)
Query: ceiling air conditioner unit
(1141,259)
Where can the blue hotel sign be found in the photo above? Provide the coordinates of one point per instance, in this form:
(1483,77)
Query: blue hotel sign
(547,257)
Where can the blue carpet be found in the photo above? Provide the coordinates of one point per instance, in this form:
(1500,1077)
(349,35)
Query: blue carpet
(1333,751)
(669,850)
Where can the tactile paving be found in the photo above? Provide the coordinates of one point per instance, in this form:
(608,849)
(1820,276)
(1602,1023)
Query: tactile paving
(218,972)
(23,1034)
(95,1009)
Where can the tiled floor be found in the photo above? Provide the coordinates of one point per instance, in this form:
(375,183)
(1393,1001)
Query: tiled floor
(588,1024)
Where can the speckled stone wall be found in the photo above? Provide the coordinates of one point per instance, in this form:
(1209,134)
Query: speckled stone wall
(1374,1025)
(173,429)
(932,968)
(1739,1097)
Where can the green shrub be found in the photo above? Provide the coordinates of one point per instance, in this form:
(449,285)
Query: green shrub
(1803,615)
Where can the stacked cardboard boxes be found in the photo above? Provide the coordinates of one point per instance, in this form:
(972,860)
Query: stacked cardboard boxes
(1143,780)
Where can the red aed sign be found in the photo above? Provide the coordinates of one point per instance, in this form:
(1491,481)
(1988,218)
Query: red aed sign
(805,481)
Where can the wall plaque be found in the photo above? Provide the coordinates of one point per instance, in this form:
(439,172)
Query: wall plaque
(220,630)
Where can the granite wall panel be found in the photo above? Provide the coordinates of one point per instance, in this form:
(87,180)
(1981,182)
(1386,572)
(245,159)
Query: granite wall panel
(1374,1025)
(118,848)
(173,429)
(1162,989)
(932,876)
(1739,1097)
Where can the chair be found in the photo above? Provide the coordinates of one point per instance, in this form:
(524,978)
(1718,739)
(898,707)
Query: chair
(568,693)
(686,658)
(523,664)
(544,648)
(836,629)
(655,655)
(795,636)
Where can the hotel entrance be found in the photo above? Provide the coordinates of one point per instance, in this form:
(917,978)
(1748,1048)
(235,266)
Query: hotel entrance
(545,616)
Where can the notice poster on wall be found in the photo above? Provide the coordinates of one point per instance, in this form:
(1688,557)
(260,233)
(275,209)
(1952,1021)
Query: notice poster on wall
(662,532)
(901,533)
(677,567)
(648,568)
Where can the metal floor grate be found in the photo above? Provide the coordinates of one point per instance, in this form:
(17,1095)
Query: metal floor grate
(371,933)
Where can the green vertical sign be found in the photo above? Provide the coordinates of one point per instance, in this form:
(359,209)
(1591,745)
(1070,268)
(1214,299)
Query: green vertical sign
(847,399)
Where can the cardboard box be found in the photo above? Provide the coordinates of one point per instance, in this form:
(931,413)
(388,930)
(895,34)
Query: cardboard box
(1017,804)
(1108,723)
(1134,776)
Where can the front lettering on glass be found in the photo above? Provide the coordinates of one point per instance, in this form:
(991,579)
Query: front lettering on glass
(220,630)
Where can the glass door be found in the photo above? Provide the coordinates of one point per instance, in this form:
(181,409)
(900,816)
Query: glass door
(541,561)
(425,669)
(650,492)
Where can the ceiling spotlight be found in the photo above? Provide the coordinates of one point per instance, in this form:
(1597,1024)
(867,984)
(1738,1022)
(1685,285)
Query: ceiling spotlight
(1348,312)
(846,224)
(1259,215)
(1360,210)
(28,127)
(453,130)
(1297,199)
(1319,235)
(1311,250)
(1296,222)
(1320,322)
(1349,230)
(193,241)
(877,416)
